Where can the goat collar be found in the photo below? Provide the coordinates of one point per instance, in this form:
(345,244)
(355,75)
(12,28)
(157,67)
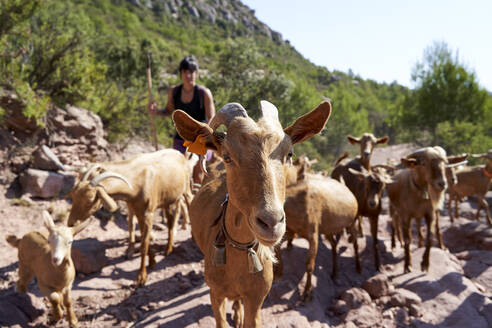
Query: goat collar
(423,190)
(487,173)
(254,264)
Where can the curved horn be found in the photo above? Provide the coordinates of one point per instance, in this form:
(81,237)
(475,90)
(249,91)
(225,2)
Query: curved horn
(457,164)
(53,157)
(89,171)
(226,114)
(107,175)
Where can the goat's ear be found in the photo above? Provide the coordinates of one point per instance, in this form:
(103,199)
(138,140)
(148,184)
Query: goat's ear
(382,140)
(48,221)
(189,129)
(309,124)
(359,175)
(353,140)
(409,162)
(81,226)
(108,202)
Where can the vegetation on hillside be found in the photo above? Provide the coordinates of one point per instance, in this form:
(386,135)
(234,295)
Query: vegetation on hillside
(92,54)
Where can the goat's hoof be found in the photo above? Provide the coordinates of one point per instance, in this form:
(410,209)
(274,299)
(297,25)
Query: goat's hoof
(73,323)
(424,267)
(141,280)
(407,269)
(169,250)
(307,296)
(130,252)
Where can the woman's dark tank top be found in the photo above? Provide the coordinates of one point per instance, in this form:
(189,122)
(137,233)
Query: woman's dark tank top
(195,108)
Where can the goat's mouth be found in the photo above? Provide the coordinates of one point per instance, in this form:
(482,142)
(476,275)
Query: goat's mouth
(268,235)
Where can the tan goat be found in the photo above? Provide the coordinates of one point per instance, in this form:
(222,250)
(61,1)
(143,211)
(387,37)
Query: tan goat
(472,181)
(367,186)
(319,205)
(236,239)
(48,258)
(145,182)
(418,192)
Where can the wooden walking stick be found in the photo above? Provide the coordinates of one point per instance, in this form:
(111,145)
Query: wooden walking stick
(149,86)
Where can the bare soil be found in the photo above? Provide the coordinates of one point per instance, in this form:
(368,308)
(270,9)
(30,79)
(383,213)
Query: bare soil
(176,295)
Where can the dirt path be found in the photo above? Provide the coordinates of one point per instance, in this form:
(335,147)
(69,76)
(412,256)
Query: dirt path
(458,287)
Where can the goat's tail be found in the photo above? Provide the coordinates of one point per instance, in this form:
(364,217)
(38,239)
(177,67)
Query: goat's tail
(13,240)
(341,158)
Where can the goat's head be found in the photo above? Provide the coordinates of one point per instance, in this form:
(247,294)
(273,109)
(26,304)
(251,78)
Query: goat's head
(459,160)
(431,163)
(256,156)
(367,143)
(60,238)
(374,182)
(89,195)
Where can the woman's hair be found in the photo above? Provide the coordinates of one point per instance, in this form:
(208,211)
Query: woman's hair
(189,62)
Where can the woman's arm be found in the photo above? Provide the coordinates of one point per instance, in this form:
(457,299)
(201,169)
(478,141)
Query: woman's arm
(209,104)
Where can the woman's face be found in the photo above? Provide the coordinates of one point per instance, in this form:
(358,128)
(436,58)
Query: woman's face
(189,77)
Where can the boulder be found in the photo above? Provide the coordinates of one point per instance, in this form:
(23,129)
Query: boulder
(377,286)
(89,255)
(404,298)
(45,184)
(355,297)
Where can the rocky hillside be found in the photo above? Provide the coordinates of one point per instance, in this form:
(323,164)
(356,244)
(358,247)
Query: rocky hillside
(214,11)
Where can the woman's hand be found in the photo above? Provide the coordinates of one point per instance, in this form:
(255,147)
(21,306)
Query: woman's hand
(152,108)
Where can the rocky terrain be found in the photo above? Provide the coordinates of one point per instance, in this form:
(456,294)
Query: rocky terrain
(456,292)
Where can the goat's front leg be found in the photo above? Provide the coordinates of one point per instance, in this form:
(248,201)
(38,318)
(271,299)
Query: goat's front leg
(219,309)
(353,233)
(67,301)
(375,241)
(485,206)
(334,242)
(55,299)
(238,316)
(312,251)
(131,232)
(420,233)
(252,311)
(438,232)
(407,238)
(145,224)
(424,265)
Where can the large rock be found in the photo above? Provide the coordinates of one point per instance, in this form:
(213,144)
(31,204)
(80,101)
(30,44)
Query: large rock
(377,286)
(404,298)
(45,184)
(89,255)
(356,297)
(449,299)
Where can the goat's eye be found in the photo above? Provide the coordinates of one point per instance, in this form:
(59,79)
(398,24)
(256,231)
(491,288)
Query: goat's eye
(69,242)
(290,155)
(227,159)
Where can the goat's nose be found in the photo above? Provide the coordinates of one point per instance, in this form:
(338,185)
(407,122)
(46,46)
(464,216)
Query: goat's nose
(372,204)
(367,153)
(441,184)
(268,223)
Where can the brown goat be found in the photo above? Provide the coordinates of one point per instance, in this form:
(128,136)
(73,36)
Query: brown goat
(367,143)
(418,192)
(319,205)
(472,181)
(48,258)
(145,182)
(368,189)
(256,156)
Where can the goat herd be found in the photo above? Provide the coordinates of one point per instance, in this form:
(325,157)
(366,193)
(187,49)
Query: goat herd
(250,199)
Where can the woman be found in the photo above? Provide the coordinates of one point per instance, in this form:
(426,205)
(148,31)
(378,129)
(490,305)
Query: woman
(194,99)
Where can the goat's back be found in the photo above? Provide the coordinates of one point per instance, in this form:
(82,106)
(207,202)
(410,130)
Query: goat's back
(471,181)
(322,201)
